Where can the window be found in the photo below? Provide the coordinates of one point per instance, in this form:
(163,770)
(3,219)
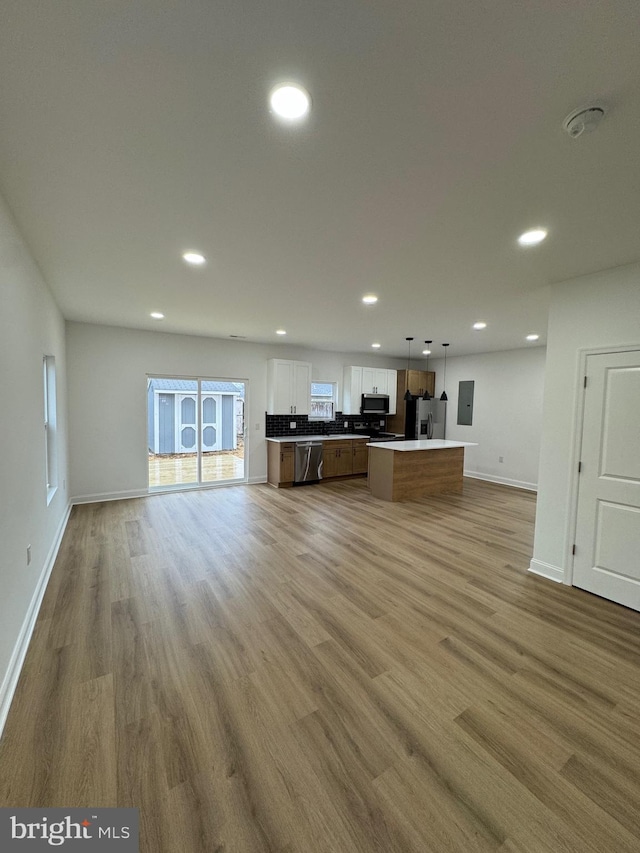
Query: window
(50,432)
(323,401)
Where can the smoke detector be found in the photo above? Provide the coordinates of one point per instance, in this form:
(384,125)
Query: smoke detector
(584,120)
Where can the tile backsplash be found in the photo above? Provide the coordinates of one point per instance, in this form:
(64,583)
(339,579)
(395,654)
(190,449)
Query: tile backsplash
(278,425)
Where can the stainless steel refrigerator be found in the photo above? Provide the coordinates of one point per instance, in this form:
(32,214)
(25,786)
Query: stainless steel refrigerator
(425,418)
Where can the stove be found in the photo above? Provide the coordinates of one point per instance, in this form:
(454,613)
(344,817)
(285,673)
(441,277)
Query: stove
(369,431)
(386,436)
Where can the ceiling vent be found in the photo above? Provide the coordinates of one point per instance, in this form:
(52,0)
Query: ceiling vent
(584,120)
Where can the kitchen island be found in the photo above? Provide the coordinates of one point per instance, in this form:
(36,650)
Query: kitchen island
(406,470)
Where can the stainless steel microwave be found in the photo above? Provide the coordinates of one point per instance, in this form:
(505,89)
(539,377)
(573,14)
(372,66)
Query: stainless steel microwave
(374,404)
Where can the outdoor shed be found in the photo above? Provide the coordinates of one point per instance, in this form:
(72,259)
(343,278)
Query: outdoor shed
(173,415)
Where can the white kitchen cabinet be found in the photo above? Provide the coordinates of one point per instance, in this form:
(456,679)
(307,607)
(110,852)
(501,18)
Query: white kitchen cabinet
(375,380)
(351,390)
(393,390)
(367,380)
(288,387)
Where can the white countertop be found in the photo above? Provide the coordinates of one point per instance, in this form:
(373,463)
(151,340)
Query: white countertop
(282,439)
(421,444)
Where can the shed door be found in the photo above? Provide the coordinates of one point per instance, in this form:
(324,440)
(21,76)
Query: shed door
(211,427)
(607,560)
(166,423)
(187,424)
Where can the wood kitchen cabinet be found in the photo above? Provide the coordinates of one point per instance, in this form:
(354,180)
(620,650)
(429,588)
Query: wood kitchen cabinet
(288,387)
(336,459)
(280,463)
(415,381)
(360,456)
(339,459)
(344,458)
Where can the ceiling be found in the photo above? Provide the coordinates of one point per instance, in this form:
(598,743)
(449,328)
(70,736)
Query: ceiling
(132,132)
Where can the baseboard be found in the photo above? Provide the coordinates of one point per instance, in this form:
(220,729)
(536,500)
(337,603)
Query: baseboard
(503,481)
(10,681)
(546,570)
(145,493)
(110,496)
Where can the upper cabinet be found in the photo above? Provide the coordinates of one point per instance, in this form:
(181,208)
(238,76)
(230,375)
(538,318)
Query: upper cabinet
(376,380)
(416,382)
(288,387)
(367,380)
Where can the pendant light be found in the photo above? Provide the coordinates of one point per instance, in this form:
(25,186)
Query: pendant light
(443,396)
(407,394)
(427,395)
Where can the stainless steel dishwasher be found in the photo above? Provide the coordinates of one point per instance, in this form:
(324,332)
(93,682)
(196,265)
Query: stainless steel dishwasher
(308,467)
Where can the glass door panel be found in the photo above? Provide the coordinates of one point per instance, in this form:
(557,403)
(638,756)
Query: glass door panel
(222,418)
(196,432)
(172,432)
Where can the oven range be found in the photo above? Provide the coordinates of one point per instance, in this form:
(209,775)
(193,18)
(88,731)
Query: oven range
(374,433)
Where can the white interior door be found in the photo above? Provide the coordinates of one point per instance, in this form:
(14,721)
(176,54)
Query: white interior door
(607,546)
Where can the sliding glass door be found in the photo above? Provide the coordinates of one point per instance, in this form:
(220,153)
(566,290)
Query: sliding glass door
(195,431)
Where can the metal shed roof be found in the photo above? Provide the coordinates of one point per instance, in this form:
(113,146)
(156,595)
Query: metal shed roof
(182,385)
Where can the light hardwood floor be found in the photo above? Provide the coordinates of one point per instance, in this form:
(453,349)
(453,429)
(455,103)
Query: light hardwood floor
(312,669)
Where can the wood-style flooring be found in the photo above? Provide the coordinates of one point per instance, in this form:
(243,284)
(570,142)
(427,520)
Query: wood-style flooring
(313,670)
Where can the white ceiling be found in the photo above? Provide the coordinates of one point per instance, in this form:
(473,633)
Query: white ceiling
(133,131)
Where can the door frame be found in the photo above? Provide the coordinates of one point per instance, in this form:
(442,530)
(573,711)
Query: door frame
(576,448)
(209,484)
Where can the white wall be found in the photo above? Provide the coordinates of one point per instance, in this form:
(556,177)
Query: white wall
(30,327)
(507,412)
(107,401)
(598,310)
(107,396)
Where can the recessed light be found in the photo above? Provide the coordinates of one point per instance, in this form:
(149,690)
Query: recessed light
(370,299)
(157,315)
(194,258)
(375,346)
(290,101)
(281,332)
(426,352)
(480,325)
(533,237)
(533,337)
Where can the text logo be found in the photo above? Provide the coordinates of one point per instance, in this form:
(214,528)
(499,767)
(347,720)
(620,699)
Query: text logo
(86,830)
